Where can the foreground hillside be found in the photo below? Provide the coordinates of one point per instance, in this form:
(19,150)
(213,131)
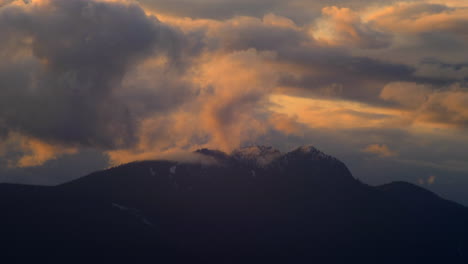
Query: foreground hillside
(254,205)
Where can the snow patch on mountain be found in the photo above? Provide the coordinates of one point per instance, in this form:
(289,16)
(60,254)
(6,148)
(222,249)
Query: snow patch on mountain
(120,207)
(135,212)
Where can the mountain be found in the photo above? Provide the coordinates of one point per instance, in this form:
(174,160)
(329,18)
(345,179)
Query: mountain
(255,205)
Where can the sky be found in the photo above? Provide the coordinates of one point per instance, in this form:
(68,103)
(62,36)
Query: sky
(90,84)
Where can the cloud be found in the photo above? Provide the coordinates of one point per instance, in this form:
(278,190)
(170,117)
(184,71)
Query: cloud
(152,89)
(20,152)
(306,63)
(61,169)
(286,124)
(227,111)
(442,71)
(431,180)
(270,33)
(300,11)
(64,60)
(38,152)
(407,94)
(344,27)
(218,9)
(448,106)
(334,114)
(382,151)
(119,80)
(420,17)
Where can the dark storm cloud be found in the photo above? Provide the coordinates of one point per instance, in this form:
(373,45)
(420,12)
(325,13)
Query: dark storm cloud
(81,51)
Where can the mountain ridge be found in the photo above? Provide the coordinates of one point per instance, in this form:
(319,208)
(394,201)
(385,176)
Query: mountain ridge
(300,205)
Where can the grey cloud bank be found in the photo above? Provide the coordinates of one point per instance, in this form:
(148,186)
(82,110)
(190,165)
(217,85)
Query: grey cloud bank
(81,51)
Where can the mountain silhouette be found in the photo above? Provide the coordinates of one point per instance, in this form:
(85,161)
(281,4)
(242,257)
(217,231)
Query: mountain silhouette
(255,205)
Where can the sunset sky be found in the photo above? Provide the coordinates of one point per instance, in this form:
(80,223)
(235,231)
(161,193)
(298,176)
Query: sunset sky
(381,85)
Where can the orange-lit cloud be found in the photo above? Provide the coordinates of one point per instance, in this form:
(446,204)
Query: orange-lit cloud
(445,106)
(335,114)
(414,17)
(431,180)
(148,82)
(225,113)
(344,27)
(286,124)
(380,150)
(407,94)
(30,152)
(37,152)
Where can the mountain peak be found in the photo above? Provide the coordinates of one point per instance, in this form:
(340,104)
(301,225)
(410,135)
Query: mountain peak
(259,155)
(216,154)
(307,148)
(312,152)
(256,150)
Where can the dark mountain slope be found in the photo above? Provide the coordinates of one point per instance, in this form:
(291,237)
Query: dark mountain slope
(254,205)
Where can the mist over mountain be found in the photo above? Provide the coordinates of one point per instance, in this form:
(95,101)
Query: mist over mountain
(255,205)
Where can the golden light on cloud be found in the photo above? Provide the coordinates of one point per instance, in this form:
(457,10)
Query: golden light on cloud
(412,17)
(321,113)
(380,150)
(37,152)
(334,114)
(336,26)
(30,152)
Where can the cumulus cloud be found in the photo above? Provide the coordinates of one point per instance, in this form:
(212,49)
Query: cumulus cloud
(104,74)
(304,61)
(64,59)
